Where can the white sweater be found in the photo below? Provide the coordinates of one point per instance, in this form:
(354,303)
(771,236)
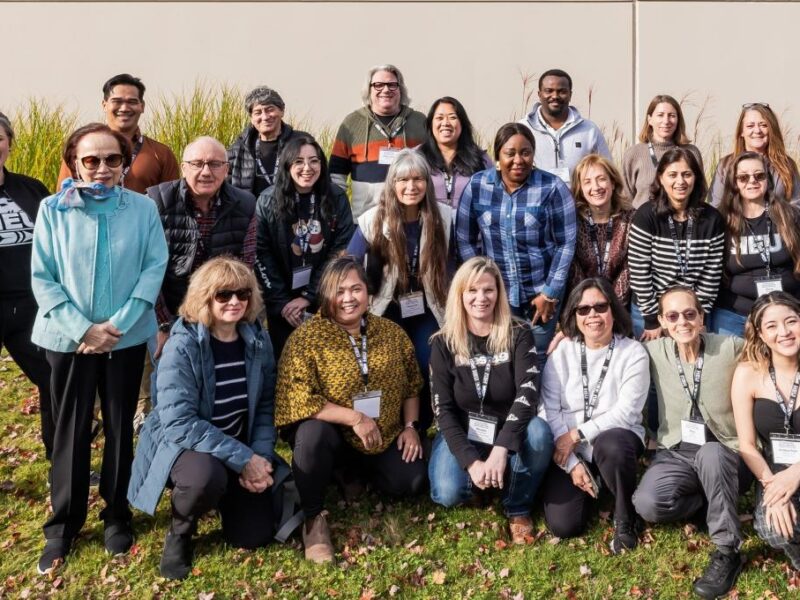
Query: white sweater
(621,399)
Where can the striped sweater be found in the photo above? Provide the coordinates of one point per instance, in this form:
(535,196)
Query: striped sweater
(356,152)
(655,267)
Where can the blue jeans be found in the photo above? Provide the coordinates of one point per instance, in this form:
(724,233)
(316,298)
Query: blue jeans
(451,485)
(542,332)
(638,321)
(727,322)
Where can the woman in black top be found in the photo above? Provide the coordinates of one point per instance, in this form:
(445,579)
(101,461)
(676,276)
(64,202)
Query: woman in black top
(484,387)
(763,244)
(303,221)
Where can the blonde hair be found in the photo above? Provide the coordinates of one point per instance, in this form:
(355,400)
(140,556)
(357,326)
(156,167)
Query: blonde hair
(755,350)
(222,272)
(455,331)
(619,200)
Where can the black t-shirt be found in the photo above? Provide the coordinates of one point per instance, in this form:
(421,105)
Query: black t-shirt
(16,237)
(306,229)
(266,160)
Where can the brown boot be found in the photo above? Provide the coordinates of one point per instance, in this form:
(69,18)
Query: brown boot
(317,539)
(521,529)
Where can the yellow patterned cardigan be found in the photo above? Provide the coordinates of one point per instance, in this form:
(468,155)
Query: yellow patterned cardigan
(318,366)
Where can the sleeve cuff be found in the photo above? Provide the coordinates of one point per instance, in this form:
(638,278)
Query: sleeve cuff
(589,430)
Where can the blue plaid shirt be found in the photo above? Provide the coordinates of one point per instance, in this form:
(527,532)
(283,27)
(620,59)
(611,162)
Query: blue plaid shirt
(530,233)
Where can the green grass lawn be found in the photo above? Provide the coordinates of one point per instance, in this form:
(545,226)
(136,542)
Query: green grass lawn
(409,549)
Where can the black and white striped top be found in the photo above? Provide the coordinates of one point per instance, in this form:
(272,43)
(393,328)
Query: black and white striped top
(655,267)
(230,404)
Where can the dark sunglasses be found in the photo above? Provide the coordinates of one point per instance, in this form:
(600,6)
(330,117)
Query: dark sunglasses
(690,314)
(745,177)
(600,308)
(223,296)
(112,161)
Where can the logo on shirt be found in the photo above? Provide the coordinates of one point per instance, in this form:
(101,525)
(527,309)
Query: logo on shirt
(748,245)
(16,229)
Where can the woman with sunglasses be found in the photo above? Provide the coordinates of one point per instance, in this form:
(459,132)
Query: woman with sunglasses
(303,221)
(210,437)
(758,130)
(764,393)
(99,256)
(594,387)
(696,467)
(763,243)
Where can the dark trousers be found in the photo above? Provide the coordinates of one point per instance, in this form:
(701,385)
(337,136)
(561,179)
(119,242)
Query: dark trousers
(279,330)
(76,380)
(201,482)
(319,446)
(614,456)
(16,323)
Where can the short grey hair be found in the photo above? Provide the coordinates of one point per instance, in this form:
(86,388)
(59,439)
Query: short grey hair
(404,99)
(263,95)
(5,123)
(204,139)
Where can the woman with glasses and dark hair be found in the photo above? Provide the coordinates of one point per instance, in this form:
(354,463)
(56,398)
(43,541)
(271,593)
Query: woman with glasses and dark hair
(303,221)
(758,130)
(450,150)
(696,467)
(594,387)
(664,128)
(210,437)
(98,258)
(763,243)
(348,396)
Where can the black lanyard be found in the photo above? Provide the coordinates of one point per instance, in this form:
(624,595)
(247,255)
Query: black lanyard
(412,262)
(683,261)
(386,133)
(602,261)
(270,179)
(304,240)
(481,387)
(788,410)
(652,154)
(136,149)
(763,250)
(448,184)
(361,355)
(590,402)
(694,393)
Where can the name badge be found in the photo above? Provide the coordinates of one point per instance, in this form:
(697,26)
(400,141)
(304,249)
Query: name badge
(412,304)
(765,285)
(368,403)
(785,448)
(562,173)
(387,155)
(481,428)
(693,432)
(301,277)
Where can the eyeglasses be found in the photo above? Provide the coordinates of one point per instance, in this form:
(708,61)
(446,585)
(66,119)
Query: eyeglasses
(132,102)
(312,163)
(600,308)
(112,161)
(198,165)
(745,177)
(754,104)
(379,86)
(690,314)
(223,296)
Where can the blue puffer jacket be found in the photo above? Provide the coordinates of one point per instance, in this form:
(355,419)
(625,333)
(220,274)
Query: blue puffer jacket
(182,417)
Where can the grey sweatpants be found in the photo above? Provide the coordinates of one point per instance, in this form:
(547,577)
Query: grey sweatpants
(676,484)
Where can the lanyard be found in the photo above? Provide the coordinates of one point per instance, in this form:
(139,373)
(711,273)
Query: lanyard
(694,393)
(262,169)
(590,402)
(788,409)
(652,154)
(412,263)
(386,133)
(361,355)
(602,261)
(759,241)
(683,261)
(481,387)
(448,184)
(304,241)
(136,149)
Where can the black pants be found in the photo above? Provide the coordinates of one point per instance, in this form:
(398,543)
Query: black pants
(319,446)
(614,455)
(16,323)
(201,483)
(279,330)
(76,380)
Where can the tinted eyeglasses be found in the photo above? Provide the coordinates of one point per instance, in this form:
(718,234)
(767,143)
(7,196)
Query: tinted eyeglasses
(600,308)
(750,105)
(223,296)
(690,314)
(112,161)
(199,165)
(745,177)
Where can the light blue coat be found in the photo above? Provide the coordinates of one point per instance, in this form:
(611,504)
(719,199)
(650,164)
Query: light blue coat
(63,263)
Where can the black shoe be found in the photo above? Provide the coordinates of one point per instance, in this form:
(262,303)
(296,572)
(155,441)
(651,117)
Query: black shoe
(118,538)
(625,537)
(55,551)
(176,559)
(719,576)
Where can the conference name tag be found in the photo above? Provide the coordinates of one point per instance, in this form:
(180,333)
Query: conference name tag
(693,432)
(765,285)
(785,448)
(387,155)
(412,304)
(562,173)
(481,428)
(368,403)
(301,277)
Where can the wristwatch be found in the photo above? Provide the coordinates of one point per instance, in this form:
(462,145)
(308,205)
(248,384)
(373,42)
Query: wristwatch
(412,425)
(165,326)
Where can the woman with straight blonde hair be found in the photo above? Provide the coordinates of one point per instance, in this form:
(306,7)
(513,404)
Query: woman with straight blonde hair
(484,384)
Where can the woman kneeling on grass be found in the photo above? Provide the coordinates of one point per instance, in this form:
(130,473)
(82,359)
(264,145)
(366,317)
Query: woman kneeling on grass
(347,397)
(211,436)
(483,383)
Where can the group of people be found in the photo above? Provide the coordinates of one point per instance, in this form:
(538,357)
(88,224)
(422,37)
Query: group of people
(505,302)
